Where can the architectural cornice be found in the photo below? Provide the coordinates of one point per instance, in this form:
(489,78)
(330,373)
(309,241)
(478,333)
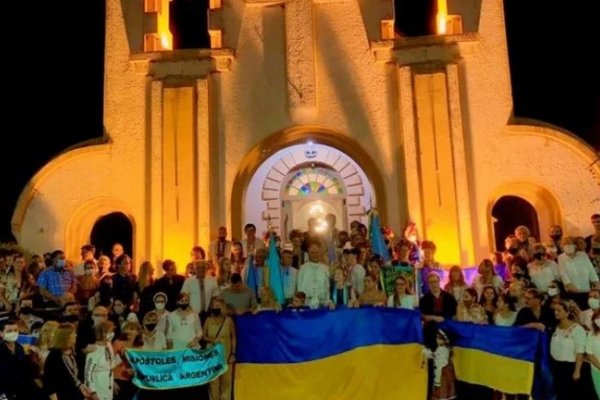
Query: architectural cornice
(422,49)
(193,62)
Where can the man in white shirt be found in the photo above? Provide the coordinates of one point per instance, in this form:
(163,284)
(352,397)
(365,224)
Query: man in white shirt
(251,243)
(313,277)
(355,271)
(577,272)
(201,289)
(289,275)
(220,248)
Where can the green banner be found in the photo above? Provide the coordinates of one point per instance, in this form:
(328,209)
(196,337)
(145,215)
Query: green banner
(175,369)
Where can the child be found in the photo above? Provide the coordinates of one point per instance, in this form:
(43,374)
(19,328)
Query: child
(443,377)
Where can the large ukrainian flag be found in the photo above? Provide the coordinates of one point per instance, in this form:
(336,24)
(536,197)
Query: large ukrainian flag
(498,357)
(362,354)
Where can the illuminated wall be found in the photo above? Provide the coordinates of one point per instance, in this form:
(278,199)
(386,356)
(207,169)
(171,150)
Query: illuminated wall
(429,119)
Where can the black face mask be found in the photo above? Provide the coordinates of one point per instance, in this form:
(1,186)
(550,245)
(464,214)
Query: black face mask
(596,251)
(26,310)
(556,236)
(513,250)
(518,275)
(538,256)
(215,312)
(150,327)
(183,306)
(71,318)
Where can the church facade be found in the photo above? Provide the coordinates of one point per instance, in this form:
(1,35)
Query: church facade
(302,108)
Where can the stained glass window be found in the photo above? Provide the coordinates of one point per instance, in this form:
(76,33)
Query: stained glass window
(313,181)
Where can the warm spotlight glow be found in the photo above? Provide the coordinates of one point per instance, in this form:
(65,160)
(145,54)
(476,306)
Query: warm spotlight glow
(442,17)
(165,42)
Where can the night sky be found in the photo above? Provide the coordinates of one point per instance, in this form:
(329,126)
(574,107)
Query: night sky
(62,53)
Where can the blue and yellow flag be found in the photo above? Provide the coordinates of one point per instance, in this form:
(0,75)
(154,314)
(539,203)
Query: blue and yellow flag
(501,358)
(274,264)
(251,278)
(346,354)
(376,237)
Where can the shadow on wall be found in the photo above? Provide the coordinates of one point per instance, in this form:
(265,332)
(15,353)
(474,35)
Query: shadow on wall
(343,81)
(41,234)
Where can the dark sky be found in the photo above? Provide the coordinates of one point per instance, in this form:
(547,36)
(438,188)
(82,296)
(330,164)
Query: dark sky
(55,89)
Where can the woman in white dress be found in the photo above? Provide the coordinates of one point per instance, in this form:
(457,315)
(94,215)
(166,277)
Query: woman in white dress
(100,362)
(184,328)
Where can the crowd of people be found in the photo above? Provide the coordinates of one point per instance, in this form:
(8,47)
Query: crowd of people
(84,315)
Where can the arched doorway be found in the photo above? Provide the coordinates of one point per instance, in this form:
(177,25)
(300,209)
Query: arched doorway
(258,156)
(510,212)
(308,180)
(110,229)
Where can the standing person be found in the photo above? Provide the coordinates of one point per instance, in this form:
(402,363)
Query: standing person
(577,272)
(251,242)
(152,338)
(170,284)
(61,375)
(567,347)
(238,297)
(185,330)
(100,362)
(130,339)
(13,371)
(313,277)
(444,377)
(219,248)
(200,288)
(219,328)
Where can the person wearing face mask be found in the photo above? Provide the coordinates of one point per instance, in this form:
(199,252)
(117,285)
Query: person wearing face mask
(99,364)
(577,272)
(585,317)
(184,327)
(219,328)
(57,281)
(556,233)
(87,283)
(12,362)
(26,317)
(160,301)
(541,270)
(153,339)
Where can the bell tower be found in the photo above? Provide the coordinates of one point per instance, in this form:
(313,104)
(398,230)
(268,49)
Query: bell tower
(157,109)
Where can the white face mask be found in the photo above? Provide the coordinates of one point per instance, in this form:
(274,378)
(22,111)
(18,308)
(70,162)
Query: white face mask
(61,263)
(570,249)
(11,336)
(597,322)
(159,306)
(110,336)
(552,291)
(89,272)
(594,303)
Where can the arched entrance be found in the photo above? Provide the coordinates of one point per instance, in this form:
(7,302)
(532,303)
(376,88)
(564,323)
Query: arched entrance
(510,212)
(110,229)
(532,198)
(312,156)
